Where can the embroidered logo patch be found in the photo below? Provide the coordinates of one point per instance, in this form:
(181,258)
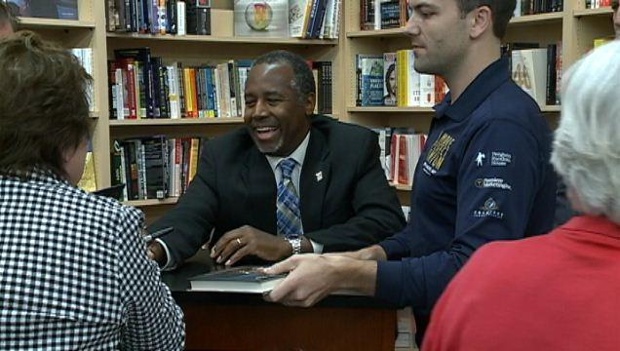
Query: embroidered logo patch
(489,209)
(494,183)
(480,159)
(500,159)
(437,153)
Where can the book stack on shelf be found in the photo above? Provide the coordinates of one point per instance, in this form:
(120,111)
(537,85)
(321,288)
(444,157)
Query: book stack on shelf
(390,79)
(143,86)
(159,16)
(155,167)
(400,150)
(532,7)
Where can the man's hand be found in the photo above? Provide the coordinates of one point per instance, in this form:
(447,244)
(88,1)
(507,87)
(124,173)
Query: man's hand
(157,253)
(312,277)
(248,240)
(371,253)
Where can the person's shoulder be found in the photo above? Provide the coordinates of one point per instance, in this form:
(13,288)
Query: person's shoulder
(104,215)
(511,97)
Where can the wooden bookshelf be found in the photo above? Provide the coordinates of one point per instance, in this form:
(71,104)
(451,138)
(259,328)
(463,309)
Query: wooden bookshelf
(200,50)
(576,27)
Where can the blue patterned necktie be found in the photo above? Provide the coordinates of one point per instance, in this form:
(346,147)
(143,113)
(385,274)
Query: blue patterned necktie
(287,204)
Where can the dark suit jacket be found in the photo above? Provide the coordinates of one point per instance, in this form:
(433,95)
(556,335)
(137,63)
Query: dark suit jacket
(346,202)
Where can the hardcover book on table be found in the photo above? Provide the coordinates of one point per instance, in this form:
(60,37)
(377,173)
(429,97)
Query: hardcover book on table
(244,279)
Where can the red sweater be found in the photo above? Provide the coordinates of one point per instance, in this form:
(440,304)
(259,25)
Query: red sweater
(559,291)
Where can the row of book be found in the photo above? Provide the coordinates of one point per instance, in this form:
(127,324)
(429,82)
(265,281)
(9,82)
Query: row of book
(142,86)
(532,7)
(390,79)
(537,70)
(311,19)
(159,16)
(400,151)
(595,4)
(383,14)
(154,167)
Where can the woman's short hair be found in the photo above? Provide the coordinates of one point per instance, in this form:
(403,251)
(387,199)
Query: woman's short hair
(44,108)
(586,149)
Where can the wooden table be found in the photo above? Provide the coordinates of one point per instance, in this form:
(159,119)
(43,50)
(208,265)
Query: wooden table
(233,321)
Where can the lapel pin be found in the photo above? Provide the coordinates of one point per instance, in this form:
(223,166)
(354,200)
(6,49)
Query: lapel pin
(319,176)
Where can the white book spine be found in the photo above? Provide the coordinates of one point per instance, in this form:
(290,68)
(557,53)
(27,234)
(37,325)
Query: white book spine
(181,25)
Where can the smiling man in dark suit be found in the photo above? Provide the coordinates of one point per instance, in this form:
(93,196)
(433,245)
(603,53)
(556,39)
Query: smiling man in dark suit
(341,194)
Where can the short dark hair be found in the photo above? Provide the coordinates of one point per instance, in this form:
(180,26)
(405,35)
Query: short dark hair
(44,109)
(304,79)
(502,11)
(8,14)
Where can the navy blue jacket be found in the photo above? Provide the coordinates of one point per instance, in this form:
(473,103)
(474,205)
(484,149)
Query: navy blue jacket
(484,175)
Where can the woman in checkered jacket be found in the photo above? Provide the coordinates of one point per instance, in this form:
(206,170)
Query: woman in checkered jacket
(73,267)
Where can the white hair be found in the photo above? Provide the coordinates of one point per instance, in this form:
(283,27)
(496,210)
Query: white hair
(586,148)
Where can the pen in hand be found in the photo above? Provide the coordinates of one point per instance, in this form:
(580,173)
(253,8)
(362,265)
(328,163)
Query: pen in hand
(152,236)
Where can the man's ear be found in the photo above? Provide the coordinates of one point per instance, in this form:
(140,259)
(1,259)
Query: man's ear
(310,103)
(481,21)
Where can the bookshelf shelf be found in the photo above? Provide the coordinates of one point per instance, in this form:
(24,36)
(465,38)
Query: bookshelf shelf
(52,23)
(542,18)
(226,40)
(389,109)
(172,122)
(383,33)
(600,12)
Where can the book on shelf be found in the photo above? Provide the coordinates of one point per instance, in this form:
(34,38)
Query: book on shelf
(529,71)
(370,79)
(390,87)
(243,279)
(389,13)
(331,21)
(264,18)
(198,17)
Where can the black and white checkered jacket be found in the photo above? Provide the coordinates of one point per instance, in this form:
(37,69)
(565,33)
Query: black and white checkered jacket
(74,274)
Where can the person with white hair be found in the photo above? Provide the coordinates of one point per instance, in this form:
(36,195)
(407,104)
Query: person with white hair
(557,291)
